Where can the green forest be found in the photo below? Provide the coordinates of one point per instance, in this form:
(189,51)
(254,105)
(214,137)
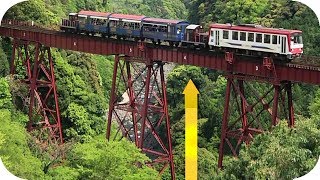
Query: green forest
(84,83)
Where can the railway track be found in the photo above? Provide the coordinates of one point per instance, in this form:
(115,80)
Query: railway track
(305,62)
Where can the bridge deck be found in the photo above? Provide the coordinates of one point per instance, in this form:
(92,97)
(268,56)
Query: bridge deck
(97,45)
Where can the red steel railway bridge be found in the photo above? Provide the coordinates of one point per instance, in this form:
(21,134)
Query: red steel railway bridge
(146,109)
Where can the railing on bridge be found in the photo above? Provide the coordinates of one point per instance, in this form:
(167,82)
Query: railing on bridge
(17,23)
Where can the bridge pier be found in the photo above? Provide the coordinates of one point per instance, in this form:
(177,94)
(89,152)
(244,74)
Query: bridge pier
(242,123)
(44,114)
(141,113)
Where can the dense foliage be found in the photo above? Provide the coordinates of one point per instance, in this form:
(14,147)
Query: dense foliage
(281,154)
(83,105)
(96,159)
(84,82)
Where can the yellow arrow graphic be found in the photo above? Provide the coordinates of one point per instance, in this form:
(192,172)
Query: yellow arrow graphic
(191,131)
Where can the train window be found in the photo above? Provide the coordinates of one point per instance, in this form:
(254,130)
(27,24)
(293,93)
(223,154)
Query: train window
(243,36)
(154,28)
(82,19)
(137,25)
(93,21)
(259,38)
(267,38)
(163,29)
(225,34)
(113,23)
(296,38)
(251,37)
(119,24)
(235,35)
(274,39)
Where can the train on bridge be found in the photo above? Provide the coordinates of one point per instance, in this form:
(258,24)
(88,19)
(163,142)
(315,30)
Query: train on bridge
(246,39)
(36,42)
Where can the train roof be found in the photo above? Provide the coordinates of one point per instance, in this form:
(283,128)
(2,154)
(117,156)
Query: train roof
(163,21)
(127,17)
(192,26)
(93,13)
(254,28)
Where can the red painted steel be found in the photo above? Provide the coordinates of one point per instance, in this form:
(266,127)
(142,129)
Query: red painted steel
(44,115)
(142,110)
(291,119)
(224,123)
(243,108)
(97,45)
(112,95)
(242,128)
(275,106)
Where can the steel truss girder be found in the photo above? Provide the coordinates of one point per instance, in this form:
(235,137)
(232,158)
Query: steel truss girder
(44,114)
(143,113)
(242,127)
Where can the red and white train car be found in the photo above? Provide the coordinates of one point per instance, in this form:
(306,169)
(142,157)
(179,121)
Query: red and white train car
(257,40)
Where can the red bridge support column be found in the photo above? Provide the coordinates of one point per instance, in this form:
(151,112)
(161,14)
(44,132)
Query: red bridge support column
(138,106)
(275,118)
(291,119)
(247,113)
(44,115)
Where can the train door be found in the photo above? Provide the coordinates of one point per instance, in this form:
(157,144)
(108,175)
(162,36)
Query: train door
(217,39)
(283,45)
(83,20)
(180,32)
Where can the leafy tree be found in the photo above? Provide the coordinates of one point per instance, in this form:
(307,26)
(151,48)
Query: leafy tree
(16,154)
(80,94)
(81,125)
(105,69)
(5,96)
(207,163)
(177,80)
(99,159)
(4,64)
(283,153)
(210,98)
(36,10)
(63,173)
(315,106)
(239,11)
(303,96)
